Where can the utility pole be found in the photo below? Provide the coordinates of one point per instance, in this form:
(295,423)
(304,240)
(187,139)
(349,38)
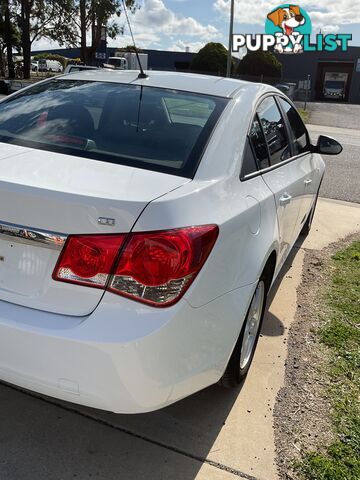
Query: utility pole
(231,30)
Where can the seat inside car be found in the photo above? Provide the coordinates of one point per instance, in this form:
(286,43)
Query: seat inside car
(70,119)
(128,127)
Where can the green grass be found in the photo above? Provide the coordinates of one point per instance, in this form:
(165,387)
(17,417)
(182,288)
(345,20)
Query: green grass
(305,115)
(341,334)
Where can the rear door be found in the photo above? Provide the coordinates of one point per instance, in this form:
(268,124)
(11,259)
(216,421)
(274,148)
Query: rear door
(300,144)
(280,173)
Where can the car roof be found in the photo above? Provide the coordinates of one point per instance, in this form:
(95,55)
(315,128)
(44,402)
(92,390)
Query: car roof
(189,82)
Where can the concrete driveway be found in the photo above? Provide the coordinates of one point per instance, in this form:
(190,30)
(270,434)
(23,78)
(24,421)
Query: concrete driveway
(216,434)
(332,114)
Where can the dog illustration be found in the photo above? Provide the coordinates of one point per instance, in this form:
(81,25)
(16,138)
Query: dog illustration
(287,19)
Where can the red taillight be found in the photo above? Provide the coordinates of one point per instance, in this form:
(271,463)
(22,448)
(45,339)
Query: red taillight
(158,267)
(154,267)
(88,259)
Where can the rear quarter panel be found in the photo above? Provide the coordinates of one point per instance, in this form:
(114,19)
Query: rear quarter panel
(244,211)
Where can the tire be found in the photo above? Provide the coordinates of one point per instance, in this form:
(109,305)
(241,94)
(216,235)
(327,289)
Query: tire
(243,353)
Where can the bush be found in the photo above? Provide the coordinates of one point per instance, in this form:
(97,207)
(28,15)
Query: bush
(212,58)
(129,48)
(260,63)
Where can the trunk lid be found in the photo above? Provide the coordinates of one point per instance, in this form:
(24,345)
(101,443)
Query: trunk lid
(44,197)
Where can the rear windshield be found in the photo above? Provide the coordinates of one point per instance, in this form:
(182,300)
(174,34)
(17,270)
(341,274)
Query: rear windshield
(145,127)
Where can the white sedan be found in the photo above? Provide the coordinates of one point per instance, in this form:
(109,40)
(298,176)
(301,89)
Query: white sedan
(142,223)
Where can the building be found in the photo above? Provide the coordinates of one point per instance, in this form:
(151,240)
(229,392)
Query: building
(323,65)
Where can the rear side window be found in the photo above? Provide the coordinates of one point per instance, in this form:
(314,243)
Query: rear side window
(248,163)
(300,136)
(193,111)
(145,127)
(258,143)
(275,131)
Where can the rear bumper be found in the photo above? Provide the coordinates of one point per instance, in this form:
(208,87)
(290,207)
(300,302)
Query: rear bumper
(125,357)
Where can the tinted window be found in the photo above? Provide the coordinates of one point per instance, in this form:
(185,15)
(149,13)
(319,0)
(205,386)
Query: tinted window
(275,131)
(249,163)
(259,144)
(300,136)
(145,127)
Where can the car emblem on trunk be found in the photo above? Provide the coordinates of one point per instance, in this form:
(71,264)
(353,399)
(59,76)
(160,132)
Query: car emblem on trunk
(109,222)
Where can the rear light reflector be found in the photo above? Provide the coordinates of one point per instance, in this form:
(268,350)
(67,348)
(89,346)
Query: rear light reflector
(153,267)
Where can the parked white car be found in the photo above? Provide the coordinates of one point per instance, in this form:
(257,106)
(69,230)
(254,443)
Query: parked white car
(49,66)
(142,224)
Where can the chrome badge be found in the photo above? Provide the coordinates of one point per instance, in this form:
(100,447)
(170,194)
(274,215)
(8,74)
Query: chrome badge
(109,222)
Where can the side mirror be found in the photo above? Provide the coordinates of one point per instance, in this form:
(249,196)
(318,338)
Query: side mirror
(327,146)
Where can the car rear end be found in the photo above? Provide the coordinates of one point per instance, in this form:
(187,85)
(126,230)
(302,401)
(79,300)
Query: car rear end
(93,309)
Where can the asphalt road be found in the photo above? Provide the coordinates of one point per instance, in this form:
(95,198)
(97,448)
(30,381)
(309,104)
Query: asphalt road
(341,180)
(341,121)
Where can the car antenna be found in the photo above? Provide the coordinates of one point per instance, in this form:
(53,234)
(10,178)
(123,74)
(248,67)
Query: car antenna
(142,74)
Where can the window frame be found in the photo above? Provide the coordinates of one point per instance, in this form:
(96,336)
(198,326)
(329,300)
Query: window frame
(293,157)
(289,128)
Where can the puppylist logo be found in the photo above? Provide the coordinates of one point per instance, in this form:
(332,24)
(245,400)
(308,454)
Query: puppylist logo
(287,30)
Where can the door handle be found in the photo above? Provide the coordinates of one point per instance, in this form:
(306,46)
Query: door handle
(308,182)
(285,199)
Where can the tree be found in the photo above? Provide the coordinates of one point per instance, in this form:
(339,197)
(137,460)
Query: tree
(260,63)
(93,15)
(9,35)
(212,58)
(25,12)
(66,21)
(43,19)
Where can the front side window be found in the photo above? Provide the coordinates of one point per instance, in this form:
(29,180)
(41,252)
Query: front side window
(145,127)
(300,136)
(275,131)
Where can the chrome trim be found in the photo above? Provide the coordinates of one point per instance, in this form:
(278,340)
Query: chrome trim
(32,236)
(109,222)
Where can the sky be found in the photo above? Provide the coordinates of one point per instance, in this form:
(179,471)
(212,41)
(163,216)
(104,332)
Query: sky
(177,24)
